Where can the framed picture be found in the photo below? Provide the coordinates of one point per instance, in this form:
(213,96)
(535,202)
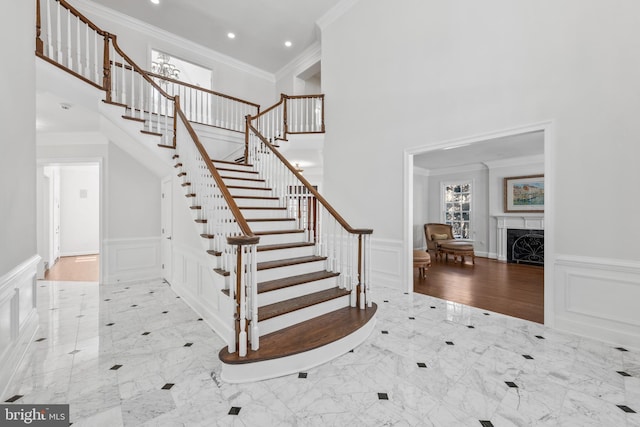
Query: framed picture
(524,193)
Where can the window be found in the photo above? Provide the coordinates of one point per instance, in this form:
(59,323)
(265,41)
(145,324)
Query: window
(457,208)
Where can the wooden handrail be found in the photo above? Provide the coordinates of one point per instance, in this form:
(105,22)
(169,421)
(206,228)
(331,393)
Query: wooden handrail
(320,95)
(139,70)
(242,223)
(80,16)
(282,97)
(309,187)
(213,92)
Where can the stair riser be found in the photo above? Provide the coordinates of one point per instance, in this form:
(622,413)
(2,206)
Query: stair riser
(257,226)
(274,239)
(257,203)
(249,192)
(285,253)
(276,323)
(290,270)
(242,182)
(264,213)
(238,174)
(238,167)
(272,297)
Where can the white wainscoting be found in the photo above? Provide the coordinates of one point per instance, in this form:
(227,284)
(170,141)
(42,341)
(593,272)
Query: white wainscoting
(196,283)
(598,298)
(131,259)
(386,263)
(18,317)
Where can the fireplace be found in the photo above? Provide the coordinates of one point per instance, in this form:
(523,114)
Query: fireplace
(525,246)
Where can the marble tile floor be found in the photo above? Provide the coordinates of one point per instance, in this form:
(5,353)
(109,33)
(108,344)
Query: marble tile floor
(137,355)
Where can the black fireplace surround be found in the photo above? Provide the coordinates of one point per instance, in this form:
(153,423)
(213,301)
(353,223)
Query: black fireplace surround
(525,246)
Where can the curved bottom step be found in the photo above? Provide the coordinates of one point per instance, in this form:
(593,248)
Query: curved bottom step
(301,346)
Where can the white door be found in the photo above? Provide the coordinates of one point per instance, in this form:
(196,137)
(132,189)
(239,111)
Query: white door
(165,233)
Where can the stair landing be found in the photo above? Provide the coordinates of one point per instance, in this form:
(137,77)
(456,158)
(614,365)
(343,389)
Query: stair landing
(301,346)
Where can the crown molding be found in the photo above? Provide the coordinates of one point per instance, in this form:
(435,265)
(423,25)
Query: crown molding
(515,161)
(417,170)
(306,59)
(475,167)
(166,36)
(334,13)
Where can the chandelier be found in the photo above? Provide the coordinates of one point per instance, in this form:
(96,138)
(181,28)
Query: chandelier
(163,67)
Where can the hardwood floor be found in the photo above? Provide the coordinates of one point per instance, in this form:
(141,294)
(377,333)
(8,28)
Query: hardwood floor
(75,269)
(512,289)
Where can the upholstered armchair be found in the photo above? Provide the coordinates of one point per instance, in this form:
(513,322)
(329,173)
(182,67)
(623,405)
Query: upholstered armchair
(439,233)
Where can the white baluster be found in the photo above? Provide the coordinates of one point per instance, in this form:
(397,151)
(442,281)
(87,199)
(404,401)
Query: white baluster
(58,35)
(96,66)
(69,52)
(255,333)
(49,37)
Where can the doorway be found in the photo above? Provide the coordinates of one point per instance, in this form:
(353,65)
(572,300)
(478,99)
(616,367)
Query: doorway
(485,223)
(68,218)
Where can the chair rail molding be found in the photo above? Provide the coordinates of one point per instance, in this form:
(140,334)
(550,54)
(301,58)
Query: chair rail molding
(18,317)
(520,222)
(597,298)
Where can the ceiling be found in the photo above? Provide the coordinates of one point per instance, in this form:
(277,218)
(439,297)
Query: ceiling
(261,27)
(52,117)
(523,145)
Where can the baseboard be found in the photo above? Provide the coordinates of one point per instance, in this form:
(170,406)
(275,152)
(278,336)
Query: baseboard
(597,298)
(80,253)
(131,260)
(18,317)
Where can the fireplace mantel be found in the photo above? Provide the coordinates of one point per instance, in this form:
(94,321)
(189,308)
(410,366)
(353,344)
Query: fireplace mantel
(521,222)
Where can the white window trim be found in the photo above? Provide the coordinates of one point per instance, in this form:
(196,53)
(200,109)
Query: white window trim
(472,215)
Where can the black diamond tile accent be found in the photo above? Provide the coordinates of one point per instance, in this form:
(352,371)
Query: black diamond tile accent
(115,367)
(167,386)
(540,337)
(42,286)
(486,423)
(234,410)
(74,352)
(625,408)
(80,315)
(471,327)
(412,318)
(150,292)
(621,349)
(40,339)
(108,299)
(177,297)
(433,306)
(200,319)
(164,312)
(526,356)
(386,300)
(406,293)
(450,343)
(146,333)
(189,344)
(511,384)
(134,305)
(383,396)
(422,365)
(623,373)
(127,287)
(385,332)
(302,375)
(110,324)
(351,351)
(486,314)
(14,398)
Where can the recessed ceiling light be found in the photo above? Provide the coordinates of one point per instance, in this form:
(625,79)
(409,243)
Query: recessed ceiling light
(155,1)
(231,35)
(287,43)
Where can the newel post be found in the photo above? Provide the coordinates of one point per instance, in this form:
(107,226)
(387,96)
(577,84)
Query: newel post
(285,99)
(106,69)
(322,113)
(247,122)
(246,292)
(39,42)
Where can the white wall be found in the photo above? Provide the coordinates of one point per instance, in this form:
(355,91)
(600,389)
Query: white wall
(18,247)
(417,74)
(79,210)
(137,39)
(422,200)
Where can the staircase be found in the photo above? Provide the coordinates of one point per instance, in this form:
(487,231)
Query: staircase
(295,274)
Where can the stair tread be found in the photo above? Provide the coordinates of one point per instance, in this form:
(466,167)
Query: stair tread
(269,219)
(230,163)
(256,197)
(237,170)
(263,208)
(135,119)
(272,285)
(305,336)
(244,187)
(243,179)
(148,132)
(266,265)
(275,247)
(298,303)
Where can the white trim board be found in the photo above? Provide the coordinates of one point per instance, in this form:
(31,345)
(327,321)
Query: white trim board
(131,259)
